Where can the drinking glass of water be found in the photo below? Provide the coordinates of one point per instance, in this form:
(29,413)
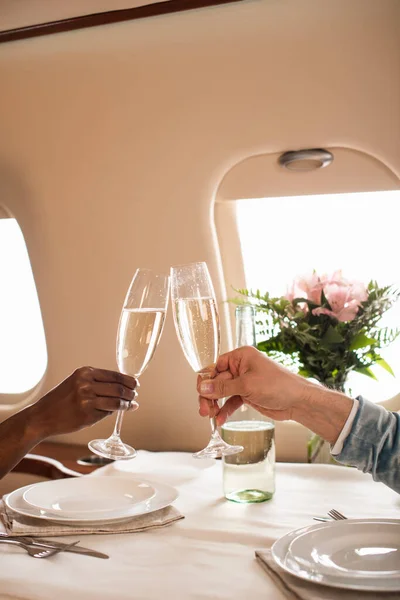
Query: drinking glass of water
(249,476)
(139,331)
(197,326)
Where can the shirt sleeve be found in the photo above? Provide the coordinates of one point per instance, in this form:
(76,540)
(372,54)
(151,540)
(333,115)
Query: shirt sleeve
(338,447)
(373,443)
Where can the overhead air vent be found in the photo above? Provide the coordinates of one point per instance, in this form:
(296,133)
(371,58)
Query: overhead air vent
(305,160)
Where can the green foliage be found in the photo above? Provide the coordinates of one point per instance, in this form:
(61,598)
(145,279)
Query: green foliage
(321,346)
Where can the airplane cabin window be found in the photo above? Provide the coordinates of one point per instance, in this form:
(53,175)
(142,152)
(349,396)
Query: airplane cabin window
(23,353)
(282,238)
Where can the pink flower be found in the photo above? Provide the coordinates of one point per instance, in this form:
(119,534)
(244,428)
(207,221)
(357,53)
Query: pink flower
(344,298)
(336,277)
(312,287)
(292,292)
(307,286)
(359,291)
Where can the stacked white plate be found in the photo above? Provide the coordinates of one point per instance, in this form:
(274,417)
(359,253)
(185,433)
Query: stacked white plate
(358,554)
(90,500)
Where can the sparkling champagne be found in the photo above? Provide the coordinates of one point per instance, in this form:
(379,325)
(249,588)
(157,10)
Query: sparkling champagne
(197,326)
(138,336)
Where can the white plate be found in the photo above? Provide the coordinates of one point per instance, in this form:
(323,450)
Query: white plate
(359,554)
(83,496)
(164,496)
(362,548)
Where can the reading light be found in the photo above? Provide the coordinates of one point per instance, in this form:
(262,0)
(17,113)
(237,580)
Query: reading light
(305,160)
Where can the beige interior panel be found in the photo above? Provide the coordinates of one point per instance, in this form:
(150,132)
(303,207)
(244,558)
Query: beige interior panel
(114,142)
(3,213)
(263,177)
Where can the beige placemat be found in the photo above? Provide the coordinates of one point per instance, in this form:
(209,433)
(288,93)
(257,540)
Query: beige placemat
(14,524)
(297,589)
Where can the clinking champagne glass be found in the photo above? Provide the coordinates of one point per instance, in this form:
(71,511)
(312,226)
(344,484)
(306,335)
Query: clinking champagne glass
(139,331)
(197,327)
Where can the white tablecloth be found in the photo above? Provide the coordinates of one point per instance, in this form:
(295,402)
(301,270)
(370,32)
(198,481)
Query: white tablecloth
(209,554)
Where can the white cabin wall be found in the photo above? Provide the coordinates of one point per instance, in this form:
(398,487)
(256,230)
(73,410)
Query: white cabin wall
(114,140)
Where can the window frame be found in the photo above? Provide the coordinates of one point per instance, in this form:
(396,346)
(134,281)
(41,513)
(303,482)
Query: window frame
(259,177)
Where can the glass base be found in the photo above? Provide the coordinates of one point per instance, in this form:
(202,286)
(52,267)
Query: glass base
(112,448)
(247,496)
(217,448)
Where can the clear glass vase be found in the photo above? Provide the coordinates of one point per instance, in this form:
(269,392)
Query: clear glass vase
(319,451)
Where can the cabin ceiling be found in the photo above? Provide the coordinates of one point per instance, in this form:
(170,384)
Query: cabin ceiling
(20,19)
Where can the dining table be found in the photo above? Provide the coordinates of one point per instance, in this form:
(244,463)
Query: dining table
(210,553)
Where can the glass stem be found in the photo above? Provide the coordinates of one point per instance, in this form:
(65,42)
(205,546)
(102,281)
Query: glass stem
(116,434)
(213,420)
(118,424)
(213,423)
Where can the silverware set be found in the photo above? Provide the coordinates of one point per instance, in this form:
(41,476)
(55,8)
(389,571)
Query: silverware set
(43,548)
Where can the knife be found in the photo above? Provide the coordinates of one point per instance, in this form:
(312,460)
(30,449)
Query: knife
(44,543)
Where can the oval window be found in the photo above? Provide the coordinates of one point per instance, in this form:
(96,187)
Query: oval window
(23,353)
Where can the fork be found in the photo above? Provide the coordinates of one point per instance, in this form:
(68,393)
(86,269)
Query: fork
(336,515)
(36,552)
(333,514)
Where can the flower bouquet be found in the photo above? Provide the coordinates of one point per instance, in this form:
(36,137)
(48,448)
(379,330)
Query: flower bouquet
(325,327)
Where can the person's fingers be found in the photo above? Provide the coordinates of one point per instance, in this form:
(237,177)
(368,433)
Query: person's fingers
(223,362)
(208,408)
(207,373)
(221,376)
(230,406)
(114,390)
(221,387)
(204,408)
(213,408)
(106,376)
(107,404)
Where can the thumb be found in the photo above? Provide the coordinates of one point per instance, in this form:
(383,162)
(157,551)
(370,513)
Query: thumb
(216,388)
(229,407)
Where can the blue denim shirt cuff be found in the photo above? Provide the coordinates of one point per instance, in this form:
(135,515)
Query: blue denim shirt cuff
(373,444)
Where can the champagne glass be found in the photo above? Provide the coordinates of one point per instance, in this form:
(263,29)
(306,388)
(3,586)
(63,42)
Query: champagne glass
(197,327)
(139,331)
